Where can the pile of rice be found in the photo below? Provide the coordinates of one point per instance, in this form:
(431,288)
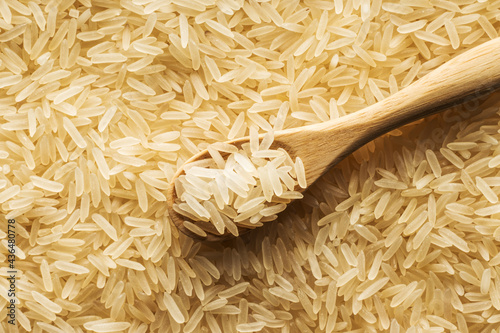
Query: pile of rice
(240,190)
(102,101)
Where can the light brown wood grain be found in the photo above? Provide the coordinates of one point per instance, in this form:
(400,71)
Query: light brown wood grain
(321,146)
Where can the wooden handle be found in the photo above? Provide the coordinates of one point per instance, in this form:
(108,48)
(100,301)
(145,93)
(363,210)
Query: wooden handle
(465,77)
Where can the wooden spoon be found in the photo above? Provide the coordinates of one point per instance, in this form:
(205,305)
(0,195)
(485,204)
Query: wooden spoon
(321,146)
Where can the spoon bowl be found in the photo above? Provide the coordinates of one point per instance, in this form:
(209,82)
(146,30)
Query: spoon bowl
(469,75)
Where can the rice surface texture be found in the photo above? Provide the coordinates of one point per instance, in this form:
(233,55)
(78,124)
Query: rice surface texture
(102,101)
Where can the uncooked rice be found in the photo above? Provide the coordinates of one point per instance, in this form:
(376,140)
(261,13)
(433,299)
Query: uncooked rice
(243,189)
(101,102)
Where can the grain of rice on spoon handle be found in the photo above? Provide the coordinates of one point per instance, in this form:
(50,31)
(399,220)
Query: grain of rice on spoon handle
(321,146)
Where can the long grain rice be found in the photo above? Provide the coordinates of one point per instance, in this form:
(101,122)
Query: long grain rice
(101,103)
(242,178)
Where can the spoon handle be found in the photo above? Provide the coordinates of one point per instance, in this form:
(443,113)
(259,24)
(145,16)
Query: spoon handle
(466,77)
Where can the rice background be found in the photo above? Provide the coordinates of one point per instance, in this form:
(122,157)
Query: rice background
(101,102)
